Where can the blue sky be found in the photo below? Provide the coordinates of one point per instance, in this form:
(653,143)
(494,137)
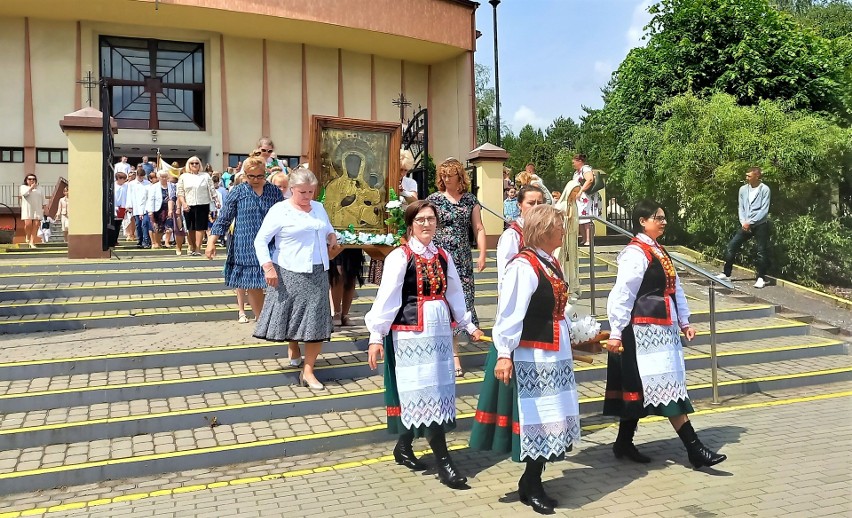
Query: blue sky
(556,55)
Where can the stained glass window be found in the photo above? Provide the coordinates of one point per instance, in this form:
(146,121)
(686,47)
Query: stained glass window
(154,84)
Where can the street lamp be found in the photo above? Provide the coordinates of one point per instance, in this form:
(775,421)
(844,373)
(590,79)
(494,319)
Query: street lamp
(495,3)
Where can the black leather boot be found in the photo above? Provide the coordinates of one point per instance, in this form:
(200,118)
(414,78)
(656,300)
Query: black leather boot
(403,453)
(531,491)
(448,474)
(699,455)
(624,446)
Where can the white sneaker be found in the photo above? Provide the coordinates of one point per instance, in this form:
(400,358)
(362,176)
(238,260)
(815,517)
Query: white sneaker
(723,277)
(759,283)
(243,319)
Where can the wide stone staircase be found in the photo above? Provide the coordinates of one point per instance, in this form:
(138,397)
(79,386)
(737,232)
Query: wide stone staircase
(76,420)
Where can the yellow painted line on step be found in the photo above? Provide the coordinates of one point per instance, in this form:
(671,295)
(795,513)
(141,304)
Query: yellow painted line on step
(369,392)
(347,338)
(184,282)
(375,460)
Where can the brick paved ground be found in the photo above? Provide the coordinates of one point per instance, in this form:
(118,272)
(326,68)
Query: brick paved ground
(789,459)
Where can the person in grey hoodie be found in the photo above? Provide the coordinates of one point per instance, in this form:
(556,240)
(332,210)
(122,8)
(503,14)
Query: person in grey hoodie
(754,199)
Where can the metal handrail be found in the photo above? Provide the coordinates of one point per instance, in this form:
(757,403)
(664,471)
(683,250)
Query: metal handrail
(714,364)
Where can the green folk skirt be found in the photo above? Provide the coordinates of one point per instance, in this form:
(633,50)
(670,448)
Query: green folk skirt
(624,394)
(394,422)
(496,425)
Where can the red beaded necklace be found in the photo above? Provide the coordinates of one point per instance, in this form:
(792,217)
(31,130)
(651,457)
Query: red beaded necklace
(430,270)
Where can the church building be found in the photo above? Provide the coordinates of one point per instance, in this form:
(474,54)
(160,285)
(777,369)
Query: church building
(209,77)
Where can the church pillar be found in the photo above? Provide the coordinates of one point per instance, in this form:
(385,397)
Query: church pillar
(85,162)
(488,160)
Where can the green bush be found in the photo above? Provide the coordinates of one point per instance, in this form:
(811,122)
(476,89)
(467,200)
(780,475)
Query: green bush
(813,251)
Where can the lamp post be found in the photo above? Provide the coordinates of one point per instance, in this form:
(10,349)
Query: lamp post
(495,3)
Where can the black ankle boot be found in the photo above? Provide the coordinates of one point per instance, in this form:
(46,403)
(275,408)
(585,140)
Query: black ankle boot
(448,474)
(699,455)
(624,446)
(531,491)
(403,453)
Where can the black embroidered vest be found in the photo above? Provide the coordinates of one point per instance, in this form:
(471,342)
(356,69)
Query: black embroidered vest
(653,301)
(547,304)
(425,279)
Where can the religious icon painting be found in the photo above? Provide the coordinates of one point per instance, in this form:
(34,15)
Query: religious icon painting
(357,162)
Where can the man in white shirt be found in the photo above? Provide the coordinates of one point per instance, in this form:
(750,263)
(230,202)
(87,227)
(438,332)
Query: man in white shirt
(123,166)
(137,199)
(753,211)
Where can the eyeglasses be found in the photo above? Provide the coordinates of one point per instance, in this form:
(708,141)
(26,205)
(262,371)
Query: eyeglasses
(658,218)
(195,163)
(30,178)
(429,220)
(255,176)
(266,150)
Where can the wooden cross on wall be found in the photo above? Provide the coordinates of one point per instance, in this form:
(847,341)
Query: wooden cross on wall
(89,84)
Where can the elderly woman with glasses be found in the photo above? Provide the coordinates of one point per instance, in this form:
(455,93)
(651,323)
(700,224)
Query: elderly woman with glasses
(245,207)
(296,308)
(647,313)
(410,325)
(32,208)
(459,217)
(195,193)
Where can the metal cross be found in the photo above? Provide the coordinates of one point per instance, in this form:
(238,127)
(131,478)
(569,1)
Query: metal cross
(402,103)
(89,84)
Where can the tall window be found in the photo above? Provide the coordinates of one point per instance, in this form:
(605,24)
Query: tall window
(154,84)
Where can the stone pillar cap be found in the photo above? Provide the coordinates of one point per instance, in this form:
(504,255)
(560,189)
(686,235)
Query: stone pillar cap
(87,119)
(488,151)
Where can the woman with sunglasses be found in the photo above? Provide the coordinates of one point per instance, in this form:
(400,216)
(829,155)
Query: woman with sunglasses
(245,206)
(459,218)
(647,311)
(32,208)
(410,325)
(195,193)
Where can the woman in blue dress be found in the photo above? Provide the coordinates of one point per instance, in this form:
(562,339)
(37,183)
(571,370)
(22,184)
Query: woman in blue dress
(246,206)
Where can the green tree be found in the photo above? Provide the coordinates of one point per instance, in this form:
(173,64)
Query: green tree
(742,47)
(485,104)
(692,158)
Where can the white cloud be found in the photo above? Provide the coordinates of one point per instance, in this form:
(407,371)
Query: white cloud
(603,70)
(640,19)
(525,115)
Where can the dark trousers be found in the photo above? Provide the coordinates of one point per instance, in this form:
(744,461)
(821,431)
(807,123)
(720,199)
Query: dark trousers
(143,225)
(761,232)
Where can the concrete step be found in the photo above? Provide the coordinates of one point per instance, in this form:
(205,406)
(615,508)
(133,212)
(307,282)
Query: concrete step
(31,393)
(348,339)
(351,385)
(214,444)
(32,295)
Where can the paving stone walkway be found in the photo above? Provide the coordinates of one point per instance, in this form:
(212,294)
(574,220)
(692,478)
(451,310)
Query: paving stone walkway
(778,465)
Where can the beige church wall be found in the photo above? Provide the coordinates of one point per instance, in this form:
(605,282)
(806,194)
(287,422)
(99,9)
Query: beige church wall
(388,78)
(284,72)
(53,57)
(12,100)
(416,85)
(322,81)
(466,128)
(357,85)
(443,118)
(244,80)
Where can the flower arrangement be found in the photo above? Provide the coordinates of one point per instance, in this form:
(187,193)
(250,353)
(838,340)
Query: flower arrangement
(396,216)
(350,237)
(395,221)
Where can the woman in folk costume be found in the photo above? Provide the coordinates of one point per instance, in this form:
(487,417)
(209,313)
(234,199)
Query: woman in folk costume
(647,312)
(529,405)
(512,239)
(419,298)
